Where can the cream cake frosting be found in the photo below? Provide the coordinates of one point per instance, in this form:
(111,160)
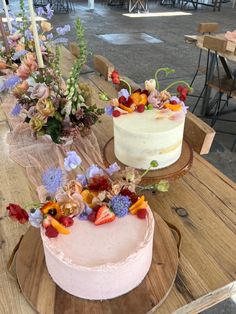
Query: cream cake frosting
(101,262)
(140,138)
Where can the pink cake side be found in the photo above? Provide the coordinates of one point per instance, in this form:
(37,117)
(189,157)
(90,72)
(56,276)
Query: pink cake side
(101,262)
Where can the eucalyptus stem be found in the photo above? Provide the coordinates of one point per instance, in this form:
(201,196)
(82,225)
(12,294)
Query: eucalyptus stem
(129,87)
(178,82)
(166,70)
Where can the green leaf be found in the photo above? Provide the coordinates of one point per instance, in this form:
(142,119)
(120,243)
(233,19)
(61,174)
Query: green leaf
(54,128)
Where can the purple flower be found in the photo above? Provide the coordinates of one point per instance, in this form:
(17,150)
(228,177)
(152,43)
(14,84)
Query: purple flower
(123,92)
(120,205)
(88,210)
(40,11)
(10,83)
(19,54)
(52,179)
(112,169)
(175,98)
(49,11)
(28,34)
(93,171)
(72,161)
(81,178)
(63,30)
(50,36)
(109,109)
(16,110)
(83,216)
(35,218)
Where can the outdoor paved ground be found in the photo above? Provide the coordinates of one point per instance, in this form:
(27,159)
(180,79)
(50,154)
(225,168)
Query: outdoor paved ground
(139,60)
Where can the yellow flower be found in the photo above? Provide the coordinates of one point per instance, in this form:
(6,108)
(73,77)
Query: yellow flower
(37,123)
(45,107)
(53,209)
(46,26)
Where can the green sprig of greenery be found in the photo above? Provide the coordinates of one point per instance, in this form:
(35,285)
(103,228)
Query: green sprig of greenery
(72,92)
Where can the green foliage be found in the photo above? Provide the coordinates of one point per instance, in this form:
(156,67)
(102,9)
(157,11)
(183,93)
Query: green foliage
(53,129)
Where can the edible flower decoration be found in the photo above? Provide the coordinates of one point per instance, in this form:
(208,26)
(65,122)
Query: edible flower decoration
(166,104)
(98,195)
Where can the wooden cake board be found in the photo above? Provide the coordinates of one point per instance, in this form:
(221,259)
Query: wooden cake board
(47,298)
(171,173)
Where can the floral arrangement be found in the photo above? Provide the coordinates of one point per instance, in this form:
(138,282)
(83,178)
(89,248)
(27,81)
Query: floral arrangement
(152,97)
(98,195)
(49,104)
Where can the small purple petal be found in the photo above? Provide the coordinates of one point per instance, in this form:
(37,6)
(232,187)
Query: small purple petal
(112,169)
(109,109)
(83,216)
(93,171)
(88,210)
(16,110)
(19,54)
(123,92)
(72,161)
(81,178)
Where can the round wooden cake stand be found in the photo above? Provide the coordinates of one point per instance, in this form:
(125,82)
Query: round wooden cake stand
(171,173)
(47,298)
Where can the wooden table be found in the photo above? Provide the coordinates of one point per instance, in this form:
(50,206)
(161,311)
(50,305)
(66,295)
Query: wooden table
(228,55)
(202,205)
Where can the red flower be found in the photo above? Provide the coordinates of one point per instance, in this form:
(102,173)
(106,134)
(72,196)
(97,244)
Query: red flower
(17,213)
(115,77)
(99,183)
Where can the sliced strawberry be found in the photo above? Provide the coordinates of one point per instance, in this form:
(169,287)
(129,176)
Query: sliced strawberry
(122,100)
(104,215)
(116,113)
(66,221)
(142,213)
(141,108)
(51,232)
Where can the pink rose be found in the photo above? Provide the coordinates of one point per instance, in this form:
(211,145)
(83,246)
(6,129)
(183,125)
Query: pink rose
(30,61)
(40,91)
(23,71)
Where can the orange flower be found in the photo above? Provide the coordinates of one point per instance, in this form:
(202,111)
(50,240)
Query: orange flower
(173,107)
(20,89)
(53,209)
(139,98)
(3,65)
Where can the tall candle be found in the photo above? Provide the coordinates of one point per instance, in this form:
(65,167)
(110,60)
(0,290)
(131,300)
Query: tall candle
(7,15)
(4,37)
(36,35)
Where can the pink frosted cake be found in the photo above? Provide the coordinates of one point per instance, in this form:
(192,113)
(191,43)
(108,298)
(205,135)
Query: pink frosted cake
(97,231)
(101,262)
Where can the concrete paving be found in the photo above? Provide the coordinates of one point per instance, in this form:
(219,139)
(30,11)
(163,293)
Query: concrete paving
(139,58)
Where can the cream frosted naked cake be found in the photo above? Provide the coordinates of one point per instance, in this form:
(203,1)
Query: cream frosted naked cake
(148,124)
(101,262)
(140,138)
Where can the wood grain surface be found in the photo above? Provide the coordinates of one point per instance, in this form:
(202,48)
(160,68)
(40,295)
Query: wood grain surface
(47,298)
(202,205)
